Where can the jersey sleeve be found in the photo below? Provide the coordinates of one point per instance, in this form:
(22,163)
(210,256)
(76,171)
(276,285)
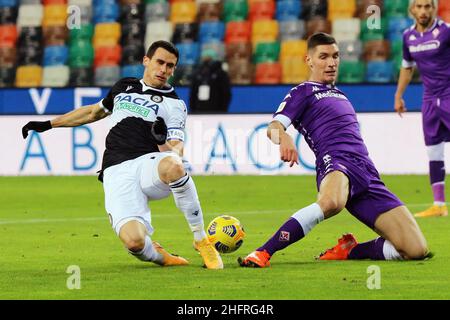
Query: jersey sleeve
(177,122)
(447,33)
(408,61)
(107,103)
(291,107)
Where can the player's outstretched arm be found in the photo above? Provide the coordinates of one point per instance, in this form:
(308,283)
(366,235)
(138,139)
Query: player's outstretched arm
(277,134)
(75,118)
(403,82)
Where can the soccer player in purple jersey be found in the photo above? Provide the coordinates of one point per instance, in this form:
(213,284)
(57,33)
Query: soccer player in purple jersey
(427,46)
(346,177)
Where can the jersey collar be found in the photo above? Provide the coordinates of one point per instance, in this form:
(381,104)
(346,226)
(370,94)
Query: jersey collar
(429,29)
(146,87)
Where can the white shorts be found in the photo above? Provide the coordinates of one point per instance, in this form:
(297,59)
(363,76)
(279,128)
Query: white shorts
(130,185)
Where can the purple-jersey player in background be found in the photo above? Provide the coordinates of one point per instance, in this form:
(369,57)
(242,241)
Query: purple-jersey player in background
(346,177)
(427,46)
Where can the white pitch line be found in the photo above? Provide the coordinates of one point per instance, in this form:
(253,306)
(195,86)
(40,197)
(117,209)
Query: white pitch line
(212,214)
(50,220)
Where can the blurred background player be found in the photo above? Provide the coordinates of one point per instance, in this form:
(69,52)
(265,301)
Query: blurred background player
(142,160)
(346,176)
(427,46)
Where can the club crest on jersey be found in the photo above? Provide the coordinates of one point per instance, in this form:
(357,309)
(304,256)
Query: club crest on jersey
(156,99)
(435,33)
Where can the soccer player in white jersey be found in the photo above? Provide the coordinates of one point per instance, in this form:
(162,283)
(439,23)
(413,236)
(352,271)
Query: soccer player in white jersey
(427,45)
(143,157)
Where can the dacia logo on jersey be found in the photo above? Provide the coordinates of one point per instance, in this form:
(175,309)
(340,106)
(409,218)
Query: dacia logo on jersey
(137,101)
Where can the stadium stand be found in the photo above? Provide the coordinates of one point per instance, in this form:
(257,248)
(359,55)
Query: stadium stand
(249,36)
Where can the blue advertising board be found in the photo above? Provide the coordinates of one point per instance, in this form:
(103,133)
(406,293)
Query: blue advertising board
(245,99)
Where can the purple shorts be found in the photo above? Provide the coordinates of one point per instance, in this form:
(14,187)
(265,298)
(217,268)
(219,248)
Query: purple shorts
(436,120)
(368,197)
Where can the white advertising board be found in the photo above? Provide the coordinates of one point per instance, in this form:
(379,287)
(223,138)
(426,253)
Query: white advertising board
(216,144)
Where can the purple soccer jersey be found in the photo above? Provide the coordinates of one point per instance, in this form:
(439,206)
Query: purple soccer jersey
(430,52)
(327,120)
(324,116)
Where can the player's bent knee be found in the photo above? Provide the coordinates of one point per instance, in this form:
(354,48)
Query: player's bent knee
(171,169)
(330,206)
(135,245)
(132,236)
(417,252)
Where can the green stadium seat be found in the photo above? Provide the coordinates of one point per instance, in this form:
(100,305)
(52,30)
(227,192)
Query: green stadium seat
(81,54)
(85,33)
(396,8)
(368,34)
(351,72)
(235,10)
(266,52)
(397,65)
(396,49)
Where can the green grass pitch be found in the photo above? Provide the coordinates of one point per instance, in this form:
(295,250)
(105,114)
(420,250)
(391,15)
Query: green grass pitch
(50,223)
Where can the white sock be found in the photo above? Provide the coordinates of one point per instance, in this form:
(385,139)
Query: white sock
(186,199)
(389,251)
(148,253)
(309,217)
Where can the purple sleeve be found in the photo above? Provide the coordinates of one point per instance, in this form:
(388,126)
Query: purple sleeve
(408,61)
(447,33)
(291,107)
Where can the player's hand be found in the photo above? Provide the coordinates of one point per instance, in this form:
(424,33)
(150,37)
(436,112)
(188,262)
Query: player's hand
(159,131)
(38,126)
(400,106)
(288,151)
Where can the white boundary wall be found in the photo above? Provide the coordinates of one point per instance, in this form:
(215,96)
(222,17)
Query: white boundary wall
(216,144)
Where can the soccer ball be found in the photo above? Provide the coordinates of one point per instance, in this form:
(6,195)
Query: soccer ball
(226,233)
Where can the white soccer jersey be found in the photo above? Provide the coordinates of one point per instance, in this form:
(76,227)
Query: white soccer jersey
(134,107)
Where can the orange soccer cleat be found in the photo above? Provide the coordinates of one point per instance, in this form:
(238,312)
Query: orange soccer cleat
(169,259)
(210,255)
(433,211)
(340,251)
(256,259)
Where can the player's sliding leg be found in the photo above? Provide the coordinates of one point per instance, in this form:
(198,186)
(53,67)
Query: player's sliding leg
(128,187)
(171,171)
(399,228)
(136,239)
(331,200)
(437,181)
(348,248)
(401,238)
(294,229)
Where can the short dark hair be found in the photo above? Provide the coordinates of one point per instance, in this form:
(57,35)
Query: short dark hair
(162,44)
(320,38)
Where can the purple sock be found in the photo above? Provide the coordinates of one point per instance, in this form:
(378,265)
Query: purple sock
(437,178)
(291,231)
(368,250)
